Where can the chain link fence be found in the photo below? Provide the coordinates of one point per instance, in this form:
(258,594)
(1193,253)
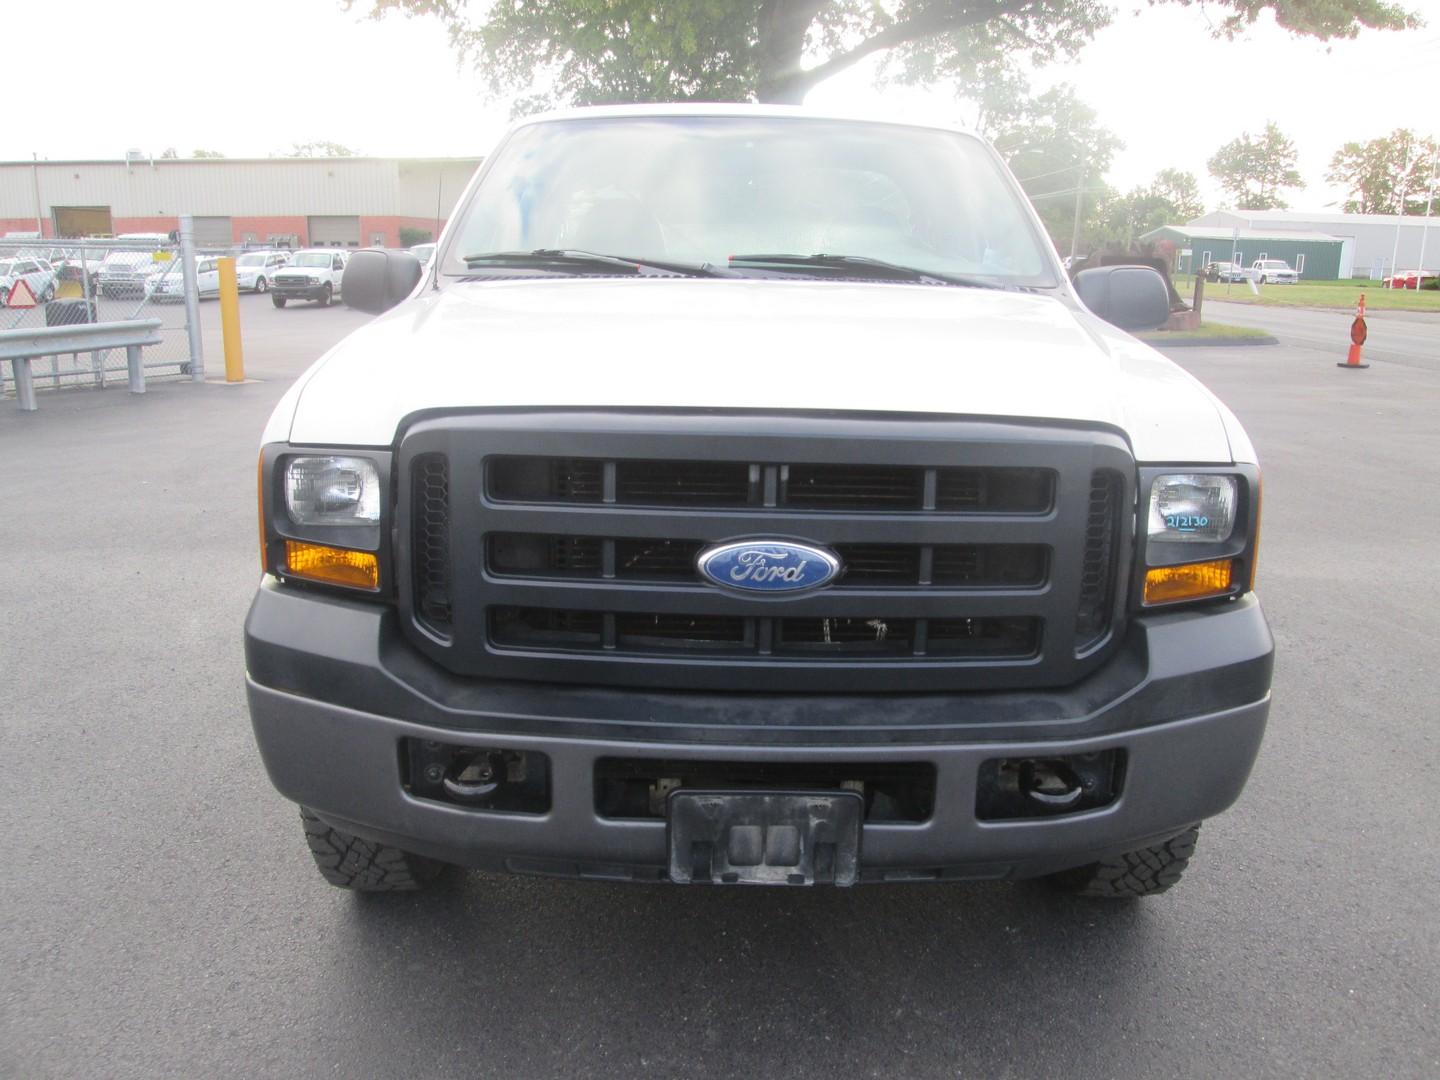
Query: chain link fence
(61,282)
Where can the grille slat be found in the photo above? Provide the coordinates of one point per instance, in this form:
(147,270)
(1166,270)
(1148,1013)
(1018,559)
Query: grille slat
(858,488)
(430,484)
(646,633)
(1097,575)
(866,565)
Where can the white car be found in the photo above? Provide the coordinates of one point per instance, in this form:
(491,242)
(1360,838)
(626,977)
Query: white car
(312,274)
(423,252)
(1273,272)
(255,270)
(169,283)
(38,274)
(610,550)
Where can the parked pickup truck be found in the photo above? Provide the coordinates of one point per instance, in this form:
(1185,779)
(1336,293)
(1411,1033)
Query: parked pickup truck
(746,496)
(315,274)
(1273,272)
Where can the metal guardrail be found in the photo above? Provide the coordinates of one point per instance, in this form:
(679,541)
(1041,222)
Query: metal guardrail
(23,345)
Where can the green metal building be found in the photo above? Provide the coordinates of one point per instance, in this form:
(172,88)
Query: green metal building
(1317,256)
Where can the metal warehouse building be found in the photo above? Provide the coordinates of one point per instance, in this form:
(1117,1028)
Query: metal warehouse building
(1315,255)
(342,202)
(1370,238)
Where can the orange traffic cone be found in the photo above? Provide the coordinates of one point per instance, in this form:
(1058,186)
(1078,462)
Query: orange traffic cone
(1358,333)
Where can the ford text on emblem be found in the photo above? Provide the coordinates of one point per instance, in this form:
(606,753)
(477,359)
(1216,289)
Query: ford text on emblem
(768,566)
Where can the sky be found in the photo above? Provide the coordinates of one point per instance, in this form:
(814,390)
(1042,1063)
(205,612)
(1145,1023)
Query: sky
(269,73)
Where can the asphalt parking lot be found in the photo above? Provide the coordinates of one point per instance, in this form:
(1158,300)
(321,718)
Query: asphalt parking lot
(160,914)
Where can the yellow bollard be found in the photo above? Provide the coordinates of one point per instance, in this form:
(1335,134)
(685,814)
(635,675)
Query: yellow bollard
(230,321)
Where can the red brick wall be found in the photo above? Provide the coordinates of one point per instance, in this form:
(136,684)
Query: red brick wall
(391,225)
(27,225)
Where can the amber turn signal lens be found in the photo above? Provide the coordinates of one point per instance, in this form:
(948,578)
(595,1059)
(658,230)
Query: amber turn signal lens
(334,566)
(1191,581)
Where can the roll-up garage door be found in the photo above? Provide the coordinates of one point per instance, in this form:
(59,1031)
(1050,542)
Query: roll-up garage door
(211,232)
(83,221)
(335,230)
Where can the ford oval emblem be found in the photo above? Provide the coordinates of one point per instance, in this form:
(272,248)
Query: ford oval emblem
(768,566)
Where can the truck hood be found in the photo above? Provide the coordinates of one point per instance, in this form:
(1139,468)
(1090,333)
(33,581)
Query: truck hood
(778,345)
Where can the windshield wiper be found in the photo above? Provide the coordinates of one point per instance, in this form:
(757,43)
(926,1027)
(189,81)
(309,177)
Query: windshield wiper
(569,260)
(860,266)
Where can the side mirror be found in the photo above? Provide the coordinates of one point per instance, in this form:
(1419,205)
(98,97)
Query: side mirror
(376,281)
(1130,297)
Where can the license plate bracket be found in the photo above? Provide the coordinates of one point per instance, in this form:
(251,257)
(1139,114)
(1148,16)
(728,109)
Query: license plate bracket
(765,837)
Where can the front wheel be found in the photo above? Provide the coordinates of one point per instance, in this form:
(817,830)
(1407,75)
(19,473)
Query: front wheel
(48,294)
(278,301)
(327,296)
(348,862)
(4,297)
(1147,871)
(261,285)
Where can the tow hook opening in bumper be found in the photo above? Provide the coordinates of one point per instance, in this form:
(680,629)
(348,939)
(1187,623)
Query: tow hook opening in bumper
(1033,787)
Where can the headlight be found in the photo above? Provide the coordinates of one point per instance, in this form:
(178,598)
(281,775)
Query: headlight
(332,491)
(1192,508)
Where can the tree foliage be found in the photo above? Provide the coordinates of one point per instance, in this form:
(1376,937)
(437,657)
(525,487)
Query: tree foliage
(1379,173)
(207,154)
(1054,144)
(1255,170)
(587,52)
(319,148)
(1172,198)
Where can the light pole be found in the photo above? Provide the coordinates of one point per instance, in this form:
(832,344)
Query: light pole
(1400,215)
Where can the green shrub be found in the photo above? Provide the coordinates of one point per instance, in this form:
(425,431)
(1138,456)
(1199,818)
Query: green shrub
(410,236)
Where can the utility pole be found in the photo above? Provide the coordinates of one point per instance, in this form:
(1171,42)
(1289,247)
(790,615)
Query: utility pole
(1075,233)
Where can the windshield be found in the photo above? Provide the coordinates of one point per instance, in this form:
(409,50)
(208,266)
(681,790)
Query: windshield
(6,267)
(313,258)
(250,260)
(700,189)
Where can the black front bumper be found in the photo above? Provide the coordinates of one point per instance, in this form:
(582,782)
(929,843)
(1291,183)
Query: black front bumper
(334,689)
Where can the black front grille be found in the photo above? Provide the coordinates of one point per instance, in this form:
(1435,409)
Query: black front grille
(565,548)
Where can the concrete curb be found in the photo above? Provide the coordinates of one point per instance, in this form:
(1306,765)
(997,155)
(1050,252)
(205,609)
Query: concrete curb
(1209,343)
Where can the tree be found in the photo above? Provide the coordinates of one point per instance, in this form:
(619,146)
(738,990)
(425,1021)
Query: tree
(602,51)
(1376,174)
(1255,169)
(207,154)
(1172,198)
(319,148)
(169,154)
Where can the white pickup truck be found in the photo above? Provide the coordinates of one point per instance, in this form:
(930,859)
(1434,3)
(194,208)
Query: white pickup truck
(747,496)
(313,274)
(1273,272)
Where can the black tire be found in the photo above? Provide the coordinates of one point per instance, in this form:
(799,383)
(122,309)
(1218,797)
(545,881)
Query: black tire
(261,286)
(48,294)
(1146,872)
(328,295)
(348,862)
(278,301)
(4,297)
